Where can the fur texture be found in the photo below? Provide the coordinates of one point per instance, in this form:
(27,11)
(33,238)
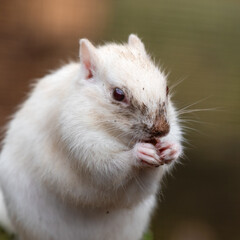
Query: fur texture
(78,164)
(4,219)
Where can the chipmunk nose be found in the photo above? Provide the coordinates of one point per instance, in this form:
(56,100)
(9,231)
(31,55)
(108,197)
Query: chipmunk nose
(160,127)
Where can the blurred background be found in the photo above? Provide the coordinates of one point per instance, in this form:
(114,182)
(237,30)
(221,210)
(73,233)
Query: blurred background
(197,43)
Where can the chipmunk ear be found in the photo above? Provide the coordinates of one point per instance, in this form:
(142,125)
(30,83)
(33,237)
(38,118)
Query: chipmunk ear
(88,57)
(135,41)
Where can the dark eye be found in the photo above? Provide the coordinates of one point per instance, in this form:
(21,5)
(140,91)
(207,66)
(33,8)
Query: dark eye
(118,94)
(167,90)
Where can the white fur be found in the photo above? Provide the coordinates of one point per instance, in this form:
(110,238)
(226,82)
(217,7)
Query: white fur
(4,219)
(68,168)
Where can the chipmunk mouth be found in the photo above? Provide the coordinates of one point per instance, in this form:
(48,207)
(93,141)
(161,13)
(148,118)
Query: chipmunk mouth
(150,140)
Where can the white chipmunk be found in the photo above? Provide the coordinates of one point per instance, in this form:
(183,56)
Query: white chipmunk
(83,156)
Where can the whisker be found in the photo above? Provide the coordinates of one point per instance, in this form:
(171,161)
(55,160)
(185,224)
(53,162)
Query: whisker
(190,128)
(176,84)
(187,120)
(190,105)
(181,112)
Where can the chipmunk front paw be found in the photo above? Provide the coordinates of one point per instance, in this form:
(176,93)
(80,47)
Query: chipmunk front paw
(168,151)
(147,154)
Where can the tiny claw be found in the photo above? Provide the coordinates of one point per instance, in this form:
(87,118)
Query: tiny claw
(164,148)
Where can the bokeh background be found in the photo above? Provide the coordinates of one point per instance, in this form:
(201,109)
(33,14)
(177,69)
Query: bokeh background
(197,43)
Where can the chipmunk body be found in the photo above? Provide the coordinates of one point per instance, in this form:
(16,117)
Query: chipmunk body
(84,155)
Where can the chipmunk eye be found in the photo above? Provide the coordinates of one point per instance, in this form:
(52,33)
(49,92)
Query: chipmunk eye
(118,94)
(167,90)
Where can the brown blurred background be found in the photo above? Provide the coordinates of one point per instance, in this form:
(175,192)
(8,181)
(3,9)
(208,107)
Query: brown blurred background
(196,41)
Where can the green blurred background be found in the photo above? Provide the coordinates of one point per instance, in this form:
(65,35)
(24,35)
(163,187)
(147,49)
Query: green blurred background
(195,41)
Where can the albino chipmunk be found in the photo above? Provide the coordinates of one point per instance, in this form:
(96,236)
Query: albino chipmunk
(84,155)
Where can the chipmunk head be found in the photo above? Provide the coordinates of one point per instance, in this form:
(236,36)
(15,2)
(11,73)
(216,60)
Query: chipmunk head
(128,92)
